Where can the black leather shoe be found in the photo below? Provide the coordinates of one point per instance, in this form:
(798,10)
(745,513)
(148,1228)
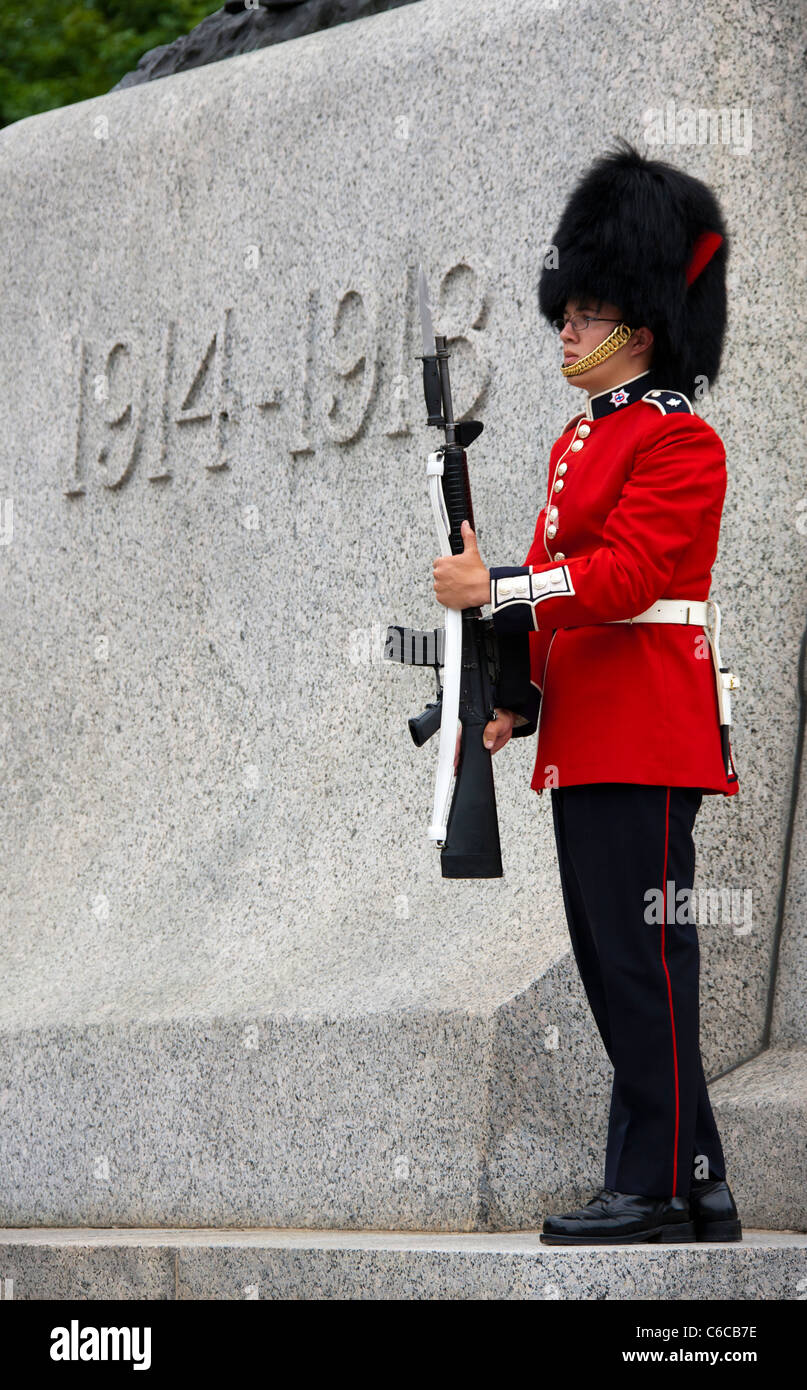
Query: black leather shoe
(621,1218)
(713,1210)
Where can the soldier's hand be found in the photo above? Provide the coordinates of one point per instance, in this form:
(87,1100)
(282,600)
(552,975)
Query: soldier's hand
(497,732)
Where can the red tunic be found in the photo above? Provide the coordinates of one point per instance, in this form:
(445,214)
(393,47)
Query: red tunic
(637,519)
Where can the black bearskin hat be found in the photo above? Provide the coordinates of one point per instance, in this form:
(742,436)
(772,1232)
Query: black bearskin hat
(651,239)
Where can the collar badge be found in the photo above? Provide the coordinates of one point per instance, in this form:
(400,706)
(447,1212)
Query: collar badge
(619,397)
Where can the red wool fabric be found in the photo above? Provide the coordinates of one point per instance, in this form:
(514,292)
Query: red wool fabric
(638,520)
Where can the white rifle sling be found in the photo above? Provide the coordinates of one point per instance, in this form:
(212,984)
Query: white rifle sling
(452,665)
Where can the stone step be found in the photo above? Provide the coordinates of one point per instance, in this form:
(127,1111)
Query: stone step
(89,1263)
(761,1113)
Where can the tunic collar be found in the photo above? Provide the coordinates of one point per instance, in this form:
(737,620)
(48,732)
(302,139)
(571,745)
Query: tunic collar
(615,398)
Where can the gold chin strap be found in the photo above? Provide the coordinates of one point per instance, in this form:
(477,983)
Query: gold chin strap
(612,343)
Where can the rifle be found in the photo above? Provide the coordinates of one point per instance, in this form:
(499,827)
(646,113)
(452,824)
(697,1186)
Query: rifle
(481,667)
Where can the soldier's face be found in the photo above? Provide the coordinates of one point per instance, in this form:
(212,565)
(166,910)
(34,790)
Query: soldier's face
(577,342)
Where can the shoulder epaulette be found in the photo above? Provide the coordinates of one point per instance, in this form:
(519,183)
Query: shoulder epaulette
(669,402)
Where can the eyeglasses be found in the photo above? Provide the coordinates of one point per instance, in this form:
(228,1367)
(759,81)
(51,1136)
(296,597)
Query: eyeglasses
(580,322)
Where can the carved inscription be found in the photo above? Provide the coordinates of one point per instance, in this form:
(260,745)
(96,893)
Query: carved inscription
(142,403)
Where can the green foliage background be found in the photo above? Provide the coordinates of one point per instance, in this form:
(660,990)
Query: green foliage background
(54,52)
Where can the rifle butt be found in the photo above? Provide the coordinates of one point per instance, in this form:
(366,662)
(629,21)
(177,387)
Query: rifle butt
(472,847)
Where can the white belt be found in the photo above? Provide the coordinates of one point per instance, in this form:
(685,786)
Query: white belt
(673,610)
(705,613)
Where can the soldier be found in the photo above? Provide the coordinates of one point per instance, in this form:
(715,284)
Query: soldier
(632,721)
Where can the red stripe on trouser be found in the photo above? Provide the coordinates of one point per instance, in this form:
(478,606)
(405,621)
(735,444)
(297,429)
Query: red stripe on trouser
(669,987)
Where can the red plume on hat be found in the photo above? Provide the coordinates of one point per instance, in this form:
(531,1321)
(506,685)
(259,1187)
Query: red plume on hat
(644,235)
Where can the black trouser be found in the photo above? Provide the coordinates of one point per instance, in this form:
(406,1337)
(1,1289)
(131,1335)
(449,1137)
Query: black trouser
(639,963)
